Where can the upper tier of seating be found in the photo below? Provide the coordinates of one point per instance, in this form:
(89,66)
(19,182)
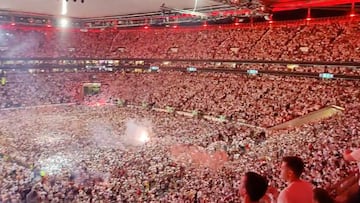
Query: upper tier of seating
(332,41)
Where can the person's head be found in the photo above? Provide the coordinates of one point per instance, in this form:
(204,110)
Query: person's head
(353,198)
(253,186)
(322,196)
(291,168)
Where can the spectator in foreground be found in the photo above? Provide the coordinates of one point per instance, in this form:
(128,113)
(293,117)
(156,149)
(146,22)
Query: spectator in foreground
(253,187)
(322,196)
(297,190)
(353,156)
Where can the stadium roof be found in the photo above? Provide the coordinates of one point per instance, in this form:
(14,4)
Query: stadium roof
(100,8)
(279,5)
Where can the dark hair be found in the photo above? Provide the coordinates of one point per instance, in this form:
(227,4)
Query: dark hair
(354,198)
(295,164)
(255,185)
(322,196)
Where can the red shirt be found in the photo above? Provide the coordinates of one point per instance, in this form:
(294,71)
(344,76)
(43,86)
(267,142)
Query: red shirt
(296,192)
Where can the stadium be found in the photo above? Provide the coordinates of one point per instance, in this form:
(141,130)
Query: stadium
(179,101)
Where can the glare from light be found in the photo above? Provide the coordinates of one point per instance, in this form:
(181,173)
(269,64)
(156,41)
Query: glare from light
(54,164)
(64,8)
(144,136)
(195,5)
(64,22)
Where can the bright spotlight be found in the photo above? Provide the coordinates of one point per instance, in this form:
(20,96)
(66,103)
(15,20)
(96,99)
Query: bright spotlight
(144,136)
(64,7)
(54,164)
(195,5)
(64,22)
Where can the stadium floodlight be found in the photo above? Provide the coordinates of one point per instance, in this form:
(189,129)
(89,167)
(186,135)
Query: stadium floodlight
(192,12)
(82,1)
(64,8)
(64,22)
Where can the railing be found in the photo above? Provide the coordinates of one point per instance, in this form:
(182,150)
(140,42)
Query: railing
(82,60)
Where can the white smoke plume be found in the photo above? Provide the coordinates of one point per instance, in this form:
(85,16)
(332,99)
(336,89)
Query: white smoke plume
(104,135)
(27,45)
(136,133)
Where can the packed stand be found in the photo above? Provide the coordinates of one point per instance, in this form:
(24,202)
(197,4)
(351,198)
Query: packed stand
(330,41)
(262,100)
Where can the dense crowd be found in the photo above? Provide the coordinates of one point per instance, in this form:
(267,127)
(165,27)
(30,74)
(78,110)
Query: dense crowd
(262,100)
(83,158)
(77,153)
(31,89)
(326,41)
(82,150)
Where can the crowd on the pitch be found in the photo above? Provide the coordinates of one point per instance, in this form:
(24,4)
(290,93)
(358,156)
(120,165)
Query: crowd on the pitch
(102,170)
(108,172)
